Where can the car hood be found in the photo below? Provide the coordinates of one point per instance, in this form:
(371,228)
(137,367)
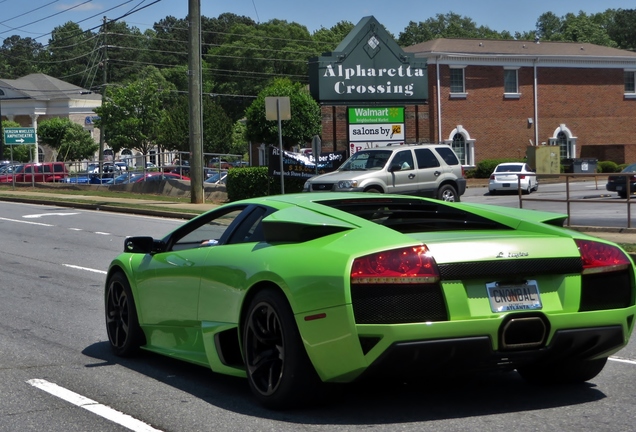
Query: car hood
(337,176)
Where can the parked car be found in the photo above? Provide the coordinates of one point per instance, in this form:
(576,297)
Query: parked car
(128,177)
(425,170)
(618,184)
(158,176)
(295,290)
(36,172)
(9,168)
(86,179)
(217,177)
(512,176)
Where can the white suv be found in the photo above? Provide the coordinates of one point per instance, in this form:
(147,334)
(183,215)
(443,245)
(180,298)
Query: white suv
(430,170)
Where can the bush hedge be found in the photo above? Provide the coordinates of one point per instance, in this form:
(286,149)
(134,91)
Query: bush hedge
(251,182)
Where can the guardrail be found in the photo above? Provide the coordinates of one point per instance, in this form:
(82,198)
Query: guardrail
(568,200)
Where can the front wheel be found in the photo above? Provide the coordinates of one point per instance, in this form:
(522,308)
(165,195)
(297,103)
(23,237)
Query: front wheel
(279,371)
(122,325)
(567,372)
(447,193)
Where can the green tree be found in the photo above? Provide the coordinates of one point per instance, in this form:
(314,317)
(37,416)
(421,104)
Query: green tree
(127,48)
(20,57)
(70,53)
(305,115)
(451,25)
(240,142)
(131,114)
(253,55)
(69,139)
(622,28)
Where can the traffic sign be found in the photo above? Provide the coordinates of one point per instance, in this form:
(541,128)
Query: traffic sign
(18,136)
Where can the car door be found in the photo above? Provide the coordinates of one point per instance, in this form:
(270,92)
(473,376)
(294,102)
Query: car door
(429,170)
(168,282)
(405,179)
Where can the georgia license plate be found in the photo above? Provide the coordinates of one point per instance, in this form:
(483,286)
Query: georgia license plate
(512,297)
(619,188)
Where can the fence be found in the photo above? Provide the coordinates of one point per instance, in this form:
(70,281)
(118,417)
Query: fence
(568,200)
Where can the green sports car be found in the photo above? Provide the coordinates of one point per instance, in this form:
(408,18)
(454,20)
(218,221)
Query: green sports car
(295,291)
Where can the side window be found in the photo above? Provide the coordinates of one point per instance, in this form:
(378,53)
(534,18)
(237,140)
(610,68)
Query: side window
(426,158)
(447,154)
(46,168)
(404,159)
(28,169)
(58,168)
(208,232)
(250,229)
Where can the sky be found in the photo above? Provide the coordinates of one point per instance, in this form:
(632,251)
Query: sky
(37,18)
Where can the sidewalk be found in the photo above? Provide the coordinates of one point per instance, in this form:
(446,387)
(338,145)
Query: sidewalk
(186,210)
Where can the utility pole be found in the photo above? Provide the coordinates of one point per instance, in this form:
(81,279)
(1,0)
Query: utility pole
(1,130)
(195,85)
(102,129)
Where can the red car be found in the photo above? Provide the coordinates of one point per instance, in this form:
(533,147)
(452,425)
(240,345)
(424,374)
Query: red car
(158,176)
(37,172)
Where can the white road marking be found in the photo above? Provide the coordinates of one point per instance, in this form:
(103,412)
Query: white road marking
(104,411)
(26,222)
(622,360)
(84,268)
(102,233)
(34,216)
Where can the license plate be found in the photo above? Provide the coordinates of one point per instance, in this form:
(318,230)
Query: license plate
(619,188)
(513,297)
(506,185)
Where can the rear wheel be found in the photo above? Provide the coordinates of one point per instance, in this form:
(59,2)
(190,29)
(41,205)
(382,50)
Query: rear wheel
(279,371)
(622,194)
(447,193)
(124,333)
(567,372)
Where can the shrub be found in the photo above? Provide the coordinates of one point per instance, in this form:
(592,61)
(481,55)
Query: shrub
(251,182)
(607,167)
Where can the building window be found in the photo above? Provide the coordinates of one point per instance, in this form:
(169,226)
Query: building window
(457,81)
(562,141)
(511,82)
(629,82)
(459,146)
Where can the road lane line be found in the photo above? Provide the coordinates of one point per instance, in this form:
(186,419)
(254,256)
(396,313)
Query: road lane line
(84,268)
(622,360)
(101,410)
(48,214)
(26,222)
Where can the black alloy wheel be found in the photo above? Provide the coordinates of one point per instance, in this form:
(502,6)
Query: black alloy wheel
(124,333)
(279,371)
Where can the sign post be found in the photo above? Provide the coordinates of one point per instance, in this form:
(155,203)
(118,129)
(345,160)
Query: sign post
(278,108)
(316,148)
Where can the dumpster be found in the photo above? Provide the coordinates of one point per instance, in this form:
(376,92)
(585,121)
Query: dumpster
(579,165)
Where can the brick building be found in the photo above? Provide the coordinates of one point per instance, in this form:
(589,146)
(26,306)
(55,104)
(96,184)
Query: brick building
(489,98)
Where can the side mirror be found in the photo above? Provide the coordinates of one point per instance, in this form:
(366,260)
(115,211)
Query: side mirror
(142,244)
(395,167)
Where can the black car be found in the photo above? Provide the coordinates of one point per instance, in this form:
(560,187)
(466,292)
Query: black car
(618,183)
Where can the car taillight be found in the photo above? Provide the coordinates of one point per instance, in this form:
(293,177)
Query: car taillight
(399,266)
(492,176)
(600,257)
(522,177)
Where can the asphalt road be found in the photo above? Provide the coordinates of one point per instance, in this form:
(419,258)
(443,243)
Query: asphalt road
(52,340)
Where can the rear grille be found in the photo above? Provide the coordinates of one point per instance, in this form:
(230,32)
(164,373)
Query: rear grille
(398,304)
(510,267)
(318,187)
(606,291)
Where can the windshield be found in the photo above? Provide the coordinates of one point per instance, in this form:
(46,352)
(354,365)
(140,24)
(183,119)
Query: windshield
(367,160)
(508,168)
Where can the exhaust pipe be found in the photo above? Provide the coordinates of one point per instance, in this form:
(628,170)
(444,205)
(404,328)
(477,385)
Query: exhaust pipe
(523,333)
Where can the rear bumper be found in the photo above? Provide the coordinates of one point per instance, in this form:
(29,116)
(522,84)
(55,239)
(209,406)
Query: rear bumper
(422,358)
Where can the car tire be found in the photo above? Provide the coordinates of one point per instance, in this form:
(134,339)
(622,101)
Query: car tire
(492,192)
(373,190)
(622,194)
(447,193)
(122,325)
(567,372)
(279,371)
